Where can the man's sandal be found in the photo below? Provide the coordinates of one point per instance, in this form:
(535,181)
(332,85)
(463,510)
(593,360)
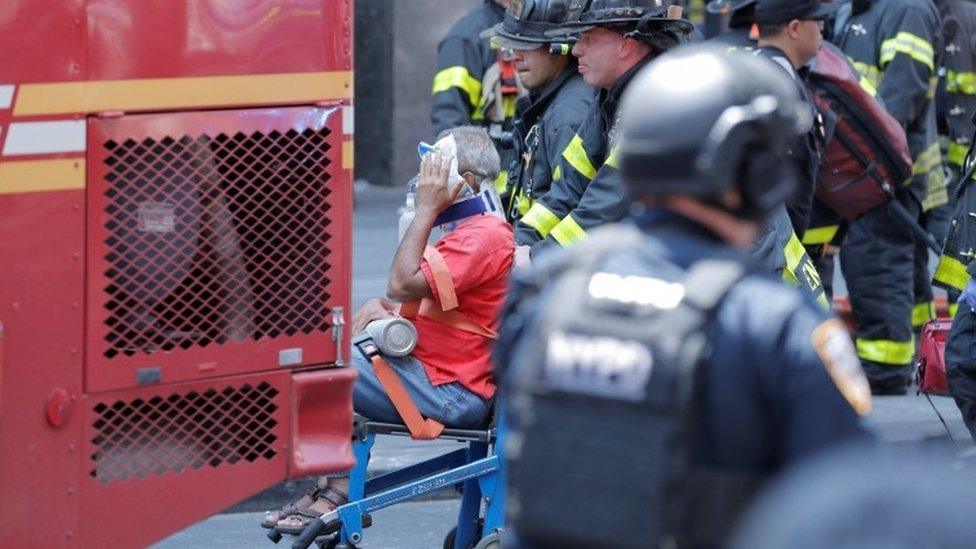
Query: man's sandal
(328,499)
(271,518)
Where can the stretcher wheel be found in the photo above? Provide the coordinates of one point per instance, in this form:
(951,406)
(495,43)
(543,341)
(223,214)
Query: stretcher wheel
(449,538)
(491,541)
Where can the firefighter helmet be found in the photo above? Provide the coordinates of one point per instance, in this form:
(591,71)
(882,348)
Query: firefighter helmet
(716,122)
(646,20)
(528,24)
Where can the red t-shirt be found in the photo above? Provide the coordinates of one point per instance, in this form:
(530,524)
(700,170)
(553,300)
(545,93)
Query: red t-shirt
(478,254)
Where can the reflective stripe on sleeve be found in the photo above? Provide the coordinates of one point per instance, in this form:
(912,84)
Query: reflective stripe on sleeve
(953,310)
(820,235)
(540,218)
(886,351)
(909,44)
(870,76)
(568,231)
(576,155)
(951,272)
(458,77)
(501,182)
(922,313)
(557,174)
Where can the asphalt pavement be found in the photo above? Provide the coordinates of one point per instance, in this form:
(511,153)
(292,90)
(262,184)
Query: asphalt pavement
(908,420)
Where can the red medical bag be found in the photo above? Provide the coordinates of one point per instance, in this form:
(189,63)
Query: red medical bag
(931,357)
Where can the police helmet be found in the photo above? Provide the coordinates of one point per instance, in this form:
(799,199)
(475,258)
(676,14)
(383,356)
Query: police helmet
(527,25)
(645,20)
(698,121)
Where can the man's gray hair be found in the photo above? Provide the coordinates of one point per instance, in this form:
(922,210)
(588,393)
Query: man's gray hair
(476,152)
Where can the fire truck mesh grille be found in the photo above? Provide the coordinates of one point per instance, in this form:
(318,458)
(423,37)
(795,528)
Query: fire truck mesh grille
(215,239)
(139,438)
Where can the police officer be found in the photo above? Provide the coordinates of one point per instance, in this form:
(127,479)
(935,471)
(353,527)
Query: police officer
(893,43)
(742,20)
(957,99)
(475,83)
(650,370)
(549,117)
(617,38)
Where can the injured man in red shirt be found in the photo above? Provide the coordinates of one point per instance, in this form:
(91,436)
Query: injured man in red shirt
(452,292)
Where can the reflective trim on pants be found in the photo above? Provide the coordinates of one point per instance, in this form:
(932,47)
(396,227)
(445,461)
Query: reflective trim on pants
(951,272)
(540,218)
(883,351)
(458,77)
(568,231)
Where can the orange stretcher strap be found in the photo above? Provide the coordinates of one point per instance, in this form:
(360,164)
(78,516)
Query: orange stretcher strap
(420,428)
(442,278)
(454,318)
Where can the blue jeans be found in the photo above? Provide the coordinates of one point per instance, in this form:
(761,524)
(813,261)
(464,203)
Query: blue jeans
(450,404)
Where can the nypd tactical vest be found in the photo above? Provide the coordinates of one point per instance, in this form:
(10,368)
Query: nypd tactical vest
(601,406)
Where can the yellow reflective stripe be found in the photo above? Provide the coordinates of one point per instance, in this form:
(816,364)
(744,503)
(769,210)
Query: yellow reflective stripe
(557,174)
(794,253)
(927,160)
(820,235)
(523,203)
(885,351)
(458,77)
(501,182)
(540,218)
(509,103)
(961,82)
(951,272)
(957,153)
(870,76)
(568,231)
(576,155)
(953,310)
(907,43)
(822,301)
(922,313)
(614,159)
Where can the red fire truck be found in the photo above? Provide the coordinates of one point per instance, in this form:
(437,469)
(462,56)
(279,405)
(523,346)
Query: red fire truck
(175,249)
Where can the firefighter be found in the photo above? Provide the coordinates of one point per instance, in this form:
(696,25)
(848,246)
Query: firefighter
(956,104)
(957,99)
(893,43)
(549,117)
(679,377)
(617,38)
(475,83)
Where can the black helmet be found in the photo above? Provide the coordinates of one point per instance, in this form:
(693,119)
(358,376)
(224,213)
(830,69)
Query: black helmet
(527,24)
(646,20)
(728,6)
(698,121)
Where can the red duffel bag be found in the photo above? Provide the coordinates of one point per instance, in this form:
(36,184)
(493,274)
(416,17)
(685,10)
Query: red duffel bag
(931,357)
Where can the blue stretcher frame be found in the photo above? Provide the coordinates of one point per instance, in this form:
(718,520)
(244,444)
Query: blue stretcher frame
(476,469)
